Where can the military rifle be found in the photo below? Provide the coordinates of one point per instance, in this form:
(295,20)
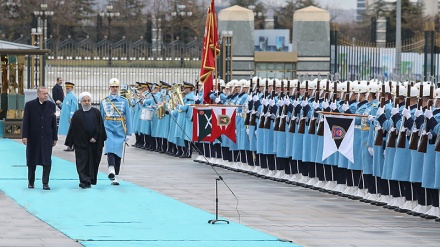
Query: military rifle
(414,139)
(253,120)
(326,98)
(276,126)
(248,114)
(292,124)
(262,117)
(302,121)
(393,134)
(312,124)
(282,127)
(401,141)
(379,135)
(423,145)
(269,109)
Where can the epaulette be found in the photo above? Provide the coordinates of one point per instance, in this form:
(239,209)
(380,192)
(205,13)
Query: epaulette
(374,105)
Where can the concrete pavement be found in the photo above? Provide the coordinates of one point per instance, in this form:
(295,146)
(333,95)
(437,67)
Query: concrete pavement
(303,216)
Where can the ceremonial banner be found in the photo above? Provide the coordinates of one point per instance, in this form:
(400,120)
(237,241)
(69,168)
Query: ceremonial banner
(338,136)
(210,51)
(202,124)
(209,123)
(224,119)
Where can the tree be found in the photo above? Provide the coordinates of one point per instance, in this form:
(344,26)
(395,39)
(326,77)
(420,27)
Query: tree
(283,15)
(412,17)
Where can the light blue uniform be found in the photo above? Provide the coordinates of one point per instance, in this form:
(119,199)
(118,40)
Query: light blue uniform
(118,108)
(402,160)
(69,106)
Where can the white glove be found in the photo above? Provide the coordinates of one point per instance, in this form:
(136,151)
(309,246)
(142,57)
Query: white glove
(255,133)
(265,102)
(324,104)
(394,110)
(92,140)
(295,103)
(271,102)
(370,117)
(217,100)
(428,114)
(282,116)
(315,105)
(267,114)
(255,98)
(196,97)
(249,97)
(253,112)
(287,101)
(406,113)
(380,111)
(418,113)
(247,131)
(280,103)
(345,107)
(127,137)
(371,151)
(333,106)
(304,103)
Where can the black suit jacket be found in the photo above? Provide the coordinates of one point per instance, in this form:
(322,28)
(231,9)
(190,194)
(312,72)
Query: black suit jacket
(40,129)
(57,93)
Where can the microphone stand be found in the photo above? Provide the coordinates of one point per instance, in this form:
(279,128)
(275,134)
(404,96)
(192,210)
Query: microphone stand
(216,204)
(219,178)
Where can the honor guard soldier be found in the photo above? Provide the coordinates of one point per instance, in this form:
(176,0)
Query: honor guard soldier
(163,125)
(116,112)
(184,120)
(69,106)
(431,164)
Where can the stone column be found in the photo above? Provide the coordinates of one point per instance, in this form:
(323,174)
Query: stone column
(239,21)
(311,40)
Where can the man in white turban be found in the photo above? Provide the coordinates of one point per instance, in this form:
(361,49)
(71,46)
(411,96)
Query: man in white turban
(88,134)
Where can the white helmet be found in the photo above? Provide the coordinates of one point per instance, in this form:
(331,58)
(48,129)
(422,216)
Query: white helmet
(114,82)
(221,82)
(293,83)
(244,83)
(437,93)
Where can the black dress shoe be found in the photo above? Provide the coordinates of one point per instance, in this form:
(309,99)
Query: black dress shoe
(46,187)
(69,149)
(81,185)
(30,186)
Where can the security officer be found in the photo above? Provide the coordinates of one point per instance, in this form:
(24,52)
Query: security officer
(116,112)
(69,106)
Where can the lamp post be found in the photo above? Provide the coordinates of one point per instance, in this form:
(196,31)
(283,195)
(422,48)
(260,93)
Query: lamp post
(110,15)
(43,14)
(257,14)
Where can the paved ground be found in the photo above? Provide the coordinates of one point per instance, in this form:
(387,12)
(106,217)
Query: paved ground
(303,216)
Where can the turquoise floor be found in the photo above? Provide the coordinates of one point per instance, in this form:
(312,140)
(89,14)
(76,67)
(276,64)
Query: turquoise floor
(128,215)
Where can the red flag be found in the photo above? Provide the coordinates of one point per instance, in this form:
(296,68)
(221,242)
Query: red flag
(223,123)
(202,124)
(211,49)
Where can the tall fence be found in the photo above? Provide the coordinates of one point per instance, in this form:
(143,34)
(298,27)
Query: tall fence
(363,60)
(90,65)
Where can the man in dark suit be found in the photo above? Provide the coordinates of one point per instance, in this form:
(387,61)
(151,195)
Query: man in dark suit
(39,134)
(58,93)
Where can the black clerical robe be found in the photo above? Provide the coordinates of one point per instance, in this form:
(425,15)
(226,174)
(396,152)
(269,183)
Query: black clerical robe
(87,154)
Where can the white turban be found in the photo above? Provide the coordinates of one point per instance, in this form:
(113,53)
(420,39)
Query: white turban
(81,95)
